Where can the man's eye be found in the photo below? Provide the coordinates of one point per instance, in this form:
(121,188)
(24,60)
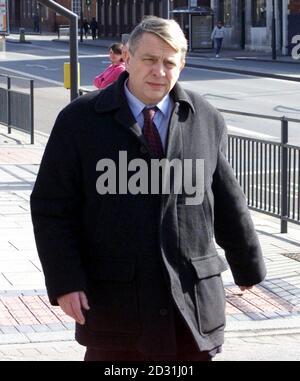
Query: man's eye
(149,59)
(170,64)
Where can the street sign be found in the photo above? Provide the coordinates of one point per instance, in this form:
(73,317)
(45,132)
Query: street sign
(4,17)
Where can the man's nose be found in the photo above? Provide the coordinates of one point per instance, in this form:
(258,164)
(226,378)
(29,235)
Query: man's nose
(159,69)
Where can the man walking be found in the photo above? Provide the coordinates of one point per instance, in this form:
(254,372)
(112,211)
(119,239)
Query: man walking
(126,245)
(94,27)
(217,36)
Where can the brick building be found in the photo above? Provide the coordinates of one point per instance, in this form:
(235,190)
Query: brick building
(29,14)
(248,23)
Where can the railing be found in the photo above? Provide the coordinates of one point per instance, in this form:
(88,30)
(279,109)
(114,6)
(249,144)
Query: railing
(64,30)
(16,107)
(267,171)
(84,90)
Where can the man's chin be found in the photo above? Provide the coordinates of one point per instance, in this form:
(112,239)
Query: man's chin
(155,97)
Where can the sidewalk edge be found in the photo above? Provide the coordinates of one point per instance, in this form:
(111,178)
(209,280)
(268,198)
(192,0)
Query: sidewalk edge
(37,337)
(245,72)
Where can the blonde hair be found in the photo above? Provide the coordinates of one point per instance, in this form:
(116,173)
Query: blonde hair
(167,30)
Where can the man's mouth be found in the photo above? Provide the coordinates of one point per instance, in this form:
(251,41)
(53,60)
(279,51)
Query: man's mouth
(156,85)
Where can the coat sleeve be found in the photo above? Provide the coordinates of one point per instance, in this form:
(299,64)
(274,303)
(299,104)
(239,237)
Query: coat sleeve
(56,210)
(234,229)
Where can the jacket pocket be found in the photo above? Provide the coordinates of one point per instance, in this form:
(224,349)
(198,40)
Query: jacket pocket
(113,299)
(209,292)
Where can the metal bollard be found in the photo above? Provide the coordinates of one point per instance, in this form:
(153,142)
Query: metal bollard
(22,34)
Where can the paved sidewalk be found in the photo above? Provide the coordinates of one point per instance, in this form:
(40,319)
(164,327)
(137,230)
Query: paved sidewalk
(30,328)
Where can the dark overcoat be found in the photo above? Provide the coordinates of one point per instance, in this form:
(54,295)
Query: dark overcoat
(138,255)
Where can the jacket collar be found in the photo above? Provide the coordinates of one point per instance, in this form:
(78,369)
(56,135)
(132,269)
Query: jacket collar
(113,97)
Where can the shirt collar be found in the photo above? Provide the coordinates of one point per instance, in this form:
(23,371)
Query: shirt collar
(137,106)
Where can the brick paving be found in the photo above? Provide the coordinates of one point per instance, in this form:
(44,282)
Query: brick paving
(30,310)
(21,155)
(33,313)
(259,302)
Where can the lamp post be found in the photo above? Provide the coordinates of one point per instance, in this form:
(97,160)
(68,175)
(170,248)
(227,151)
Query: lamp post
(73,42)
(81,21)
(273,31)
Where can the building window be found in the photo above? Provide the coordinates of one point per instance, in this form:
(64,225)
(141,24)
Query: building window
(225,12)
(259,13)
(76,6)
(125,15)
(134,12)
(29,4)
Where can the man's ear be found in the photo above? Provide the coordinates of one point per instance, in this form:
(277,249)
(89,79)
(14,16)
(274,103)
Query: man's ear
(182,65)
(127,59)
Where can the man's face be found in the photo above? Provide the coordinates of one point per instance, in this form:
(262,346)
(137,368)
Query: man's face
(153,69)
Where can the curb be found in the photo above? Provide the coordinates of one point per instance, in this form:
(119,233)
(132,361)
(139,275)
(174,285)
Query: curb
(42,337)
(263,328)
(297,62)
(15,41)
(232,330)
(240,57)
(245,72)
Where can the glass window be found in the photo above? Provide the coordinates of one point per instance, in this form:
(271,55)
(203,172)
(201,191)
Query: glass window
(259,13)
(225,12)
(76,4)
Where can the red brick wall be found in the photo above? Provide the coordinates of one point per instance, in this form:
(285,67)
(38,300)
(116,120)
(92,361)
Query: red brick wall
(87,13)
(61,20)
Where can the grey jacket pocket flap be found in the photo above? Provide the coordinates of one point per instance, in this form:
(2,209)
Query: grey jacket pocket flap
(118,271)
(208,266)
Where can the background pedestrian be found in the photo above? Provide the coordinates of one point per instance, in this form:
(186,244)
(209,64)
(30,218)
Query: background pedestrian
(113,71)
(217,36)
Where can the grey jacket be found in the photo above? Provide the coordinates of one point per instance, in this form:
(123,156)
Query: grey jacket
(218,32)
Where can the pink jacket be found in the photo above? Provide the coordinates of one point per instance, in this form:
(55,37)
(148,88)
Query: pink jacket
(109,75)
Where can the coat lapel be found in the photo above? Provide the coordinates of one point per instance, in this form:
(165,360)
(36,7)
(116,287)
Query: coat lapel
(182,106)
(125,118)
(113,98)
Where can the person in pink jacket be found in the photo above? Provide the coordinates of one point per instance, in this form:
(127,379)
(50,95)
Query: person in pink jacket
(113,71)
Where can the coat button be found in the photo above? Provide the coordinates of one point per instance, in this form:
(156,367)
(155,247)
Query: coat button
(163,312)
(143,149)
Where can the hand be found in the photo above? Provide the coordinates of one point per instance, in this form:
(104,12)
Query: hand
(244,288)
(72,305)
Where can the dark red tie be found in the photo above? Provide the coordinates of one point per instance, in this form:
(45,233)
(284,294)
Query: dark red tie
(151,134)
